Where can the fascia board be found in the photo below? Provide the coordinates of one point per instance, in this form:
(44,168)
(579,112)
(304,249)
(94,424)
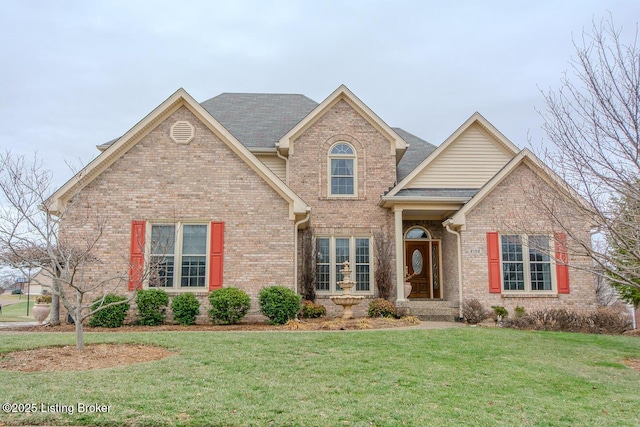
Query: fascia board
(115,150)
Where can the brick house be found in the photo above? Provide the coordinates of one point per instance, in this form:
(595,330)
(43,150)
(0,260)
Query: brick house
(228,187)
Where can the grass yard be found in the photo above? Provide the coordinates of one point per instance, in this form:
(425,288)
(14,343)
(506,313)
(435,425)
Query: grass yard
(450,377)
(18,312)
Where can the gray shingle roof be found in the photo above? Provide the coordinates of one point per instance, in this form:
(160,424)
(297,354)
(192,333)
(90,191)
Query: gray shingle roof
(418,150)
(259,119)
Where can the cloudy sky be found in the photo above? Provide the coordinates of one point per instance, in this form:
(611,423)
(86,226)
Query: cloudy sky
(77,73)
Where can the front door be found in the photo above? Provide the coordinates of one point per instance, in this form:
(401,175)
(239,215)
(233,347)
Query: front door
(423,264)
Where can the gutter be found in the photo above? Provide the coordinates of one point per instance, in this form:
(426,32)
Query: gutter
(296,226)
(286,163)
(447,225)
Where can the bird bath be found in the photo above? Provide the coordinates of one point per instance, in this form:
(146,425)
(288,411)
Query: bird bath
(346,300)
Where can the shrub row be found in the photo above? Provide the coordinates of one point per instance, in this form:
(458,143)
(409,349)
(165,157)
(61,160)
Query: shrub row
(605,320)
(228,306)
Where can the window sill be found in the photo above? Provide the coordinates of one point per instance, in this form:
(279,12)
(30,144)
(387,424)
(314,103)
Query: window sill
(173,292)
(342,198)
(355,294)
(529,295)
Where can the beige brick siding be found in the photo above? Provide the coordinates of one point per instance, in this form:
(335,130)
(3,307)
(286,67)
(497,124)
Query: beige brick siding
(360,215)
(205,181)
(509,208)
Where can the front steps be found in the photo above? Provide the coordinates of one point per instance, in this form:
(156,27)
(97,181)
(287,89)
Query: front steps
(433,310)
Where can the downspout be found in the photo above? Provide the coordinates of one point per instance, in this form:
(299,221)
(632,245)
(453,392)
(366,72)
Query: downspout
(286,163)
(295,248)
(447,225)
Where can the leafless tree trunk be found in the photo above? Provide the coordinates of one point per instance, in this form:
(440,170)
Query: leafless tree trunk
(30,237)
(593,124)
(308,261)
(383,259)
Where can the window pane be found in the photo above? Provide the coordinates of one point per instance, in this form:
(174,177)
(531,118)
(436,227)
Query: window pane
(538,248)
(540,277)
(342,149)
(194,239)
(341,185)
(540,264)
(163,239)
(342,167)
(161,274)
(417,233)
(362,264)
(322,264)
(342,255)
(512,263)
(193,271)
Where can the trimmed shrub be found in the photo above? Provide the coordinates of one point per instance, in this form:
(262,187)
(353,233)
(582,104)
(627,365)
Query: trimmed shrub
(110,317)
(473,311)
(279,304)
(228,305)
(499,313)
(311,310)
(185,308)
(152,305)
(380,307)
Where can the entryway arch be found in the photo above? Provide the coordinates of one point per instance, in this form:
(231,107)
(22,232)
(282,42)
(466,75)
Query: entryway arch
(422,263)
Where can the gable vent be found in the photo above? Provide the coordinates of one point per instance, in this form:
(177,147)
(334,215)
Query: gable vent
(182,132)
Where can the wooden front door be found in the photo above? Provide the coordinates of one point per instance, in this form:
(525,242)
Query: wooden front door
(417,262)
(423,263)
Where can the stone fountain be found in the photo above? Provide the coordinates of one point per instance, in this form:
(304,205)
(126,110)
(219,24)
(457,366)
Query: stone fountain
(346,300)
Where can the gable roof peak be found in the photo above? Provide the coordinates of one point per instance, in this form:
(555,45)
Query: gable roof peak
(342,92)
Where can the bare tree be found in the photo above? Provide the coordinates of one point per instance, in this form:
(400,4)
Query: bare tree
(593,124)
(30,237)
(308,273)
(383,258)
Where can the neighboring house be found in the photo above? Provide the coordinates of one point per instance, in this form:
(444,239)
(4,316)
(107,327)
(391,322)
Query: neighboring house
(218,194)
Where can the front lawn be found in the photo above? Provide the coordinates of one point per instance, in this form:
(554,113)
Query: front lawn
(450,377)
(17,312)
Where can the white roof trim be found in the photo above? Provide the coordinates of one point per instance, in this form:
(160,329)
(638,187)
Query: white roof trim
(342,92)
(180,98)
(524,156)
(475,118)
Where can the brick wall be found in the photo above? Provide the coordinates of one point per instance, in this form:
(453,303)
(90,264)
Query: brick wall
(513,207)
(358,215)
(204,180)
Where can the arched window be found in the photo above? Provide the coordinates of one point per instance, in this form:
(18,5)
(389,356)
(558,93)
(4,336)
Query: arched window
(342,170)
(417,233)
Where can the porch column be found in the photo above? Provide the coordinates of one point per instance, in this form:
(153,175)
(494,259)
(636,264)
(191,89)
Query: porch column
(397,213)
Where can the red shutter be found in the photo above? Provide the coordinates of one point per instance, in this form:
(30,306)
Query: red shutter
(493,251)
(562,267)
(136,254)
(216,255)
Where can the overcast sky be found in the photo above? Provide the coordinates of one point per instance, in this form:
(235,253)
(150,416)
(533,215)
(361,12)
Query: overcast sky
(76,74)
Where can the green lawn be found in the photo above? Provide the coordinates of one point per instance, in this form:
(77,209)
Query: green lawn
(18,312)
(451,377)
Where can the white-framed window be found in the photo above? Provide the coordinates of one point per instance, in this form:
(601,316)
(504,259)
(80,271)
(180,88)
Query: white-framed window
(332,252)
(526,263)
(342,170)
(178,255)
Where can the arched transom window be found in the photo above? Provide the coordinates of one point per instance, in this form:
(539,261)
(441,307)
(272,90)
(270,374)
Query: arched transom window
(342,170)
